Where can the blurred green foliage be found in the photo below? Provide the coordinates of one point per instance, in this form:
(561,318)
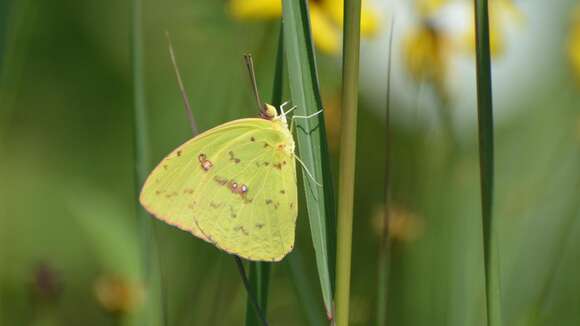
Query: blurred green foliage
(66,195)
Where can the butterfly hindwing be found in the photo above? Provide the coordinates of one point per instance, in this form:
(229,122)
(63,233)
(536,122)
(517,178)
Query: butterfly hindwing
(232,186)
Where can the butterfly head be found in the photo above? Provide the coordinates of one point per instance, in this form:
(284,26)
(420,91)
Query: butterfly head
(268,112)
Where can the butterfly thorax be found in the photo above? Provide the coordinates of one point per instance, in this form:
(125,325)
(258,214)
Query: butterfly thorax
(281,125)
(288,142)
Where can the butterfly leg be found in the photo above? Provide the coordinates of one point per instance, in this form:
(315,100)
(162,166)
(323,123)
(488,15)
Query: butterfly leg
(284,114)
(307,171)
(282,107)
(303,117)
(296,156)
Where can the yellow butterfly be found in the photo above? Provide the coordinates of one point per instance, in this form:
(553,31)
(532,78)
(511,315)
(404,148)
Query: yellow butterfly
(233,186)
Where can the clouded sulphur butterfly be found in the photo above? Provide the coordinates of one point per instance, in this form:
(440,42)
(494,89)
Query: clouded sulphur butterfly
(233,186)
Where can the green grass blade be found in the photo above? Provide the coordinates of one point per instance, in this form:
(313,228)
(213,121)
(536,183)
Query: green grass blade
(260,271)
(311,139)
(151,313)
(486,161)
(304,289)
(346,177)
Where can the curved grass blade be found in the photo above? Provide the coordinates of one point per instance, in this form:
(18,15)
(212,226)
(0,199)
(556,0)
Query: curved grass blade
(311,138)
(486,161)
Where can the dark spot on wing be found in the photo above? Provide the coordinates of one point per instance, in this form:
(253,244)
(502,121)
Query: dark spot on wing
(179,153)
(282,191)
(241,229)
(232,212)
(278,166)
(173,194)
(233,157)
(220,180)
(252,139)
(233,186)
(259,226)
(268,201)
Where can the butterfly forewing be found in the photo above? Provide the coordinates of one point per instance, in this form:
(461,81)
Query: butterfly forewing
(234,186)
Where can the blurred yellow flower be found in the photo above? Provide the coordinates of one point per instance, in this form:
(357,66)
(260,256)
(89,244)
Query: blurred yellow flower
(446,28)
(425,52)
(574,44)
(325,18)
(404,225)
(118,295)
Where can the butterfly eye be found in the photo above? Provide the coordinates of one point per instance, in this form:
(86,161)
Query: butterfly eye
(244,188)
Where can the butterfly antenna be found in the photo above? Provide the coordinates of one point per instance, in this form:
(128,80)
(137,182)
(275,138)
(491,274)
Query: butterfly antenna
(251,71)
(307,171)
(181,88)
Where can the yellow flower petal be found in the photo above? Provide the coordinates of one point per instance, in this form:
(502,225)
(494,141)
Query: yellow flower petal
(429,7)
(369,21)
(255,9)
(326,36)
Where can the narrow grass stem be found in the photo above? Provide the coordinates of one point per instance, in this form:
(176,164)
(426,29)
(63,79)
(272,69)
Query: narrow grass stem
(350,71)
(384,242)
(486,161)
